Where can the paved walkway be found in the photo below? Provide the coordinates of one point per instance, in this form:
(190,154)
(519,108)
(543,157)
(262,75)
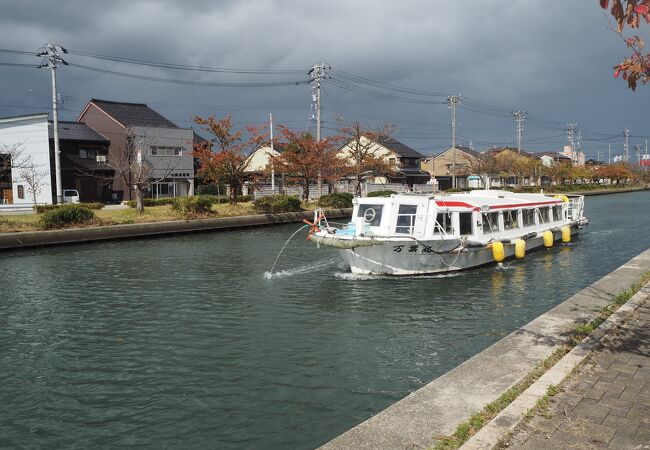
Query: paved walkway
(606,403)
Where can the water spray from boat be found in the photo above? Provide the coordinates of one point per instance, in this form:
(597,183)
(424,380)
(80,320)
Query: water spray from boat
(268,275)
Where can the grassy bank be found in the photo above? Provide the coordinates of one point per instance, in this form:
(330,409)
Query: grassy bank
(163,213)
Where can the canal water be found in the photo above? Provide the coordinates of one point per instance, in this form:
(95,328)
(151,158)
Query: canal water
(183,342)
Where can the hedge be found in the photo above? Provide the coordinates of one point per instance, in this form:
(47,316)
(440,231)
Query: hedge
(66,215)
(385,193)
(190,206)
(336,200)
(278,203)
(89,205)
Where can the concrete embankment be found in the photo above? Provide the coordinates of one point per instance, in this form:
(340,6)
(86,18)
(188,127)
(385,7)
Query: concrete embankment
(611,191)
(438,408)
(139,230)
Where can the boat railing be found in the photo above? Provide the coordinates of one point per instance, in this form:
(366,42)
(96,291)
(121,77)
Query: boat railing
(576,206)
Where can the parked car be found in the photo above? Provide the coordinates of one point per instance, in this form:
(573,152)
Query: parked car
(70,196)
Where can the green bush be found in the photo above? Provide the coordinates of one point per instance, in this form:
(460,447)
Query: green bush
(278,203)
(336,200)
(386,193)
(152,201)
(66,215)
(211,189)
(89,205)
(191,206)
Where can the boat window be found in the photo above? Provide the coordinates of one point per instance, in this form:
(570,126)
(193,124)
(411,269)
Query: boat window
(465,222)
(371,214)
(543,215)
(528,217)
(510,219)
(557,213)
(490,222)
(443,223)
(406,219)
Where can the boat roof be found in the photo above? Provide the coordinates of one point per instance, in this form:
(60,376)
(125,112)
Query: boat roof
(481,199)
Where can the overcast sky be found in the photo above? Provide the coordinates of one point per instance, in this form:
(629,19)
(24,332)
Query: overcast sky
(552,59)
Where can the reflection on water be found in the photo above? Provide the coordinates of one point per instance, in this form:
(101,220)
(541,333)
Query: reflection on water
(183,342)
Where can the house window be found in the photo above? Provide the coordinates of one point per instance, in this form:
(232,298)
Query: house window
(165,151)
(87,153)
(406,219)
(490,222)
(21,191)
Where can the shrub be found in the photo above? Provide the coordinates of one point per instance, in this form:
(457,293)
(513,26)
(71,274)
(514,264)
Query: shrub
(152,201)
(66,215)
(385,193)
(211,189)
(278,203)
(191,206)
(336,200)
(89,205)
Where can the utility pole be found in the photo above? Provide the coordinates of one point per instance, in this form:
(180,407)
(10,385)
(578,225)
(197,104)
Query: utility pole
(52,60)
(598,157)
(609,155)
(519,116)
(316,75)
(570,134)
(453,101)
(272,153)
(626,145)
(638,154)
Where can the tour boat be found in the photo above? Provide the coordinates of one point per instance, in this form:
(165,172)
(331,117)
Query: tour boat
(415,234)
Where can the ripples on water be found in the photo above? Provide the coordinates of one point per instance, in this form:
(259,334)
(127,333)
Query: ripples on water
(189,342)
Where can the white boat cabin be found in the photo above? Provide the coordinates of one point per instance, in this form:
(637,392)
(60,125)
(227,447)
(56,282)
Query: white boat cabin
(478,215)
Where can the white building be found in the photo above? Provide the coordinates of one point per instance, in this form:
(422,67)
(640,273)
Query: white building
(25,153)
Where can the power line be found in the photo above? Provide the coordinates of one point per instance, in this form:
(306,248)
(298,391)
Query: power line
(142,62)
(189,82)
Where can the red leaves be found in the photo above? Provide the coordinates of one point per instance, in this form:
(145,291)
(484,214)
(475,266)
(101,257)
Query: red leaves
(635,67)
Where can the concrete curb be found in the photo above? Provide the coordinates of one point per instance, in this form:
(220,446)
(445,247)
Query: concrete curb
(513,415)
(29,239)
(438,407)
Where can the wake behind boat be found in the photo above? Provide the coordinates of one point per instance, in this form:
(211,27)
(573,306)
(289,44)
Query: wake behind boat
(410,234)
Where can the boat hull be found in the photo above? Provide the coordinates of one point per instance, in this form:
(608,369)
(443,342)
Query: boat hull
(425,257)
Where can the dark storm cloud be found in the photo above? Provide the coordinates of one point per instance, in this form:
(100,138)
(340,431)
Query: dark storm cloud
(552,59)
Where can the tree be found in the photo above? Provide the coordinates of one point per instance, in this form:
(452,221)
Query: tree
(134,170)
(636,67)
(363,154)
(305,159)
(34,178)
(227,164)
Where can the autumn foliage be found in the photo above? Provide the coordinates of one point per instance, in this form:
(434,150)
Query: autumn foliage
(227,162)
(304,158)
(636,67)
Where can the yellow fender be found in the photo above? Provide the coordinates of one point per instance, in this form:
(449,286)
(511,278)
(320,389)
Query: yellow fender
(497,252)
(548,238)
(564,198)
(520,248)
(566,234)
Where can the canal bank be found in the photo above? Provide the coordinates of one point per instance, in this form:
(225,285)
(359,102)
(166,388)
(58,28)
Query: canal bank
(153,229)
(436,409)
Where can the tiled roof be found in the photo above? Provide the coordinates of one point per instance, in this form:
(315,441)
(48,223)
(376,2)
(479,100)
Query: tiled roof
(133,114)
(75,131)
(400,149)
